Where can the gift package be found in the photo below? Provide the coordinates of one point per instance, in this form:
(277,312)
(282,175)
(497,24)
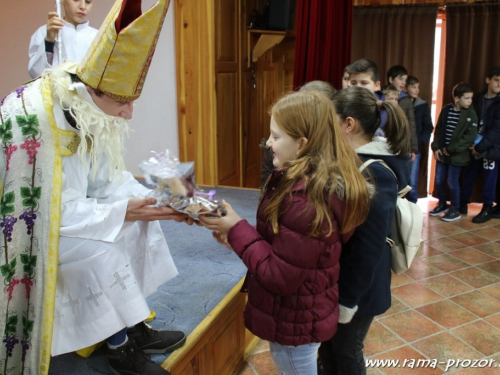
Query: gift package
(174,185)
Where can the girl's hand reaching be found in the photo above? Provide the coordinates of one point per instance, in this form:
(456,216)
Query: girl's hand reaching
(222,225)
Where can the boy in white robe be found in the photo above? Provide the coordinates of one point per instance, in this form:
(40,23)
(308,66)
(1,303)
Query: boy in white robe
(76,37)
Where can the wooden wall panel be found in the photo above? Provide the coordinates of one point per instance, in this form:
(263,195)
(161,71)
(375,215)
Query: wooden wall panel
(228,129)
(194,31)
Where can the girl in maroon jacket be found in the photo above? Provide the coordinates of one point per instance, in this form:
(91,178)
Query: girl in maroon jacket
(310,205)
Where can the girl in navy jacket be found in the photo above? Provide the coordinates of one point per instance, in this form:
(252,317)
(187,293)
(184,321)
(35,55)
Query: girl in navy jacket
(365,264)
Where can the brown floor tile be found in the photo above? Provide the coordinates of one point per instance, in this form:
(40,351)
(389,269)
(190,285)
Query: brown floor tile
(396,307)
(472,256)
(447,314)
(416,294)
(492,290)
(489,233)
(490,248)
(379,339)
(492,267)
(445,229)
(420,326)
(468,239)
(444,347)
(398,280)
(446,262)
(263,363)
(429,234)
(475,277)
(495,320)
(445,244)
(428,251)
(261,346)
(422,270)
(446,285)
(478,303)
(481,336)
(247,370)
(490,366)
(405,355)
(467,224)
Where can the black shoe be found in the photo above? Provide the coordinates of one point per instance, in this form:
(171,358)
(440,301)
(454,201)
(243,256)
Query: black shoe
(483,216)
(128,359)
(439,209)
(158,342)
(496,212)
(452,214)
(464,208)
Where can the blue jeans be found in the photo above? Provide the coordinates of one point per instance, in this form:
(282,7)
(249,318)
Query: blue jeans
(343,354)
(412,195)
(489,169)
(453,172)
(295,360)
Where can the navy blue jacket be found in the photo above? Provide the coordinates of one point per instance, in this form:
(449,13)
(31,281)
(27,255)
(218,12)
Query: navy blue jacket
(490,144)
(365,263)
(423,122)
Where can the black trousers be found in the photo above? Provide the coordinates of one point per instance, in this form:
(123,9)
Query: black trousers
(343,354)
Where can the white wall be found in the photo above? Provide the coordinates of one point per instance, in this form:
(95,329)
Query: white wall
(155,114)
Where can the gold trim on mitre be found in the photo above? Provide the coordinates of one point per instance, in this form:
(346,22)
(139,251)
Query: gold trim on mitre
(118,60)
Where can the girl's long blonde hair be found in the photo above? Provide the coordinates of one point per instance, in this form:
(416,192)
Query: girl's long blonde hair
(326,164)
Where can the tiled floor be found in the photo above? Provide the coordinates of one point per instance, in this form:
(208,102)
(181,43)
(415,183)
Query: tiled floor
(446,307)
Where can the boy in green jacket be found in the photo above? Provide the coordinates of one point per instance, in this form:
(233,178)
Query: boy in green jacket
(455,132)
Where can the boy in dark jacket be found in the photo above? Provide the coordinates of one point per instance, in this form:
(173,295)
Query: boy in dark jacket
(455,132)
(397,76)
(424,127)
(486,150)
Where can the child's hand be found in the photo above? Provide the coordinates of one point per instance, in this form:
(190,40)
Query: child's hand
(473,150)
(221,238)
(437,155)
(54,24)
(445,152)
(221,224)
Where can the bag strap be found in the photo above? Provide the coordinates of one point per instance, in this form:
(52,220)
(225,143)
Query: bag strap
(402,192)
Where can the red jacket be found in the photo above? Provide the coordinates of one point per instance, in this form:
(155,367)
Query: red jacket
(292,278)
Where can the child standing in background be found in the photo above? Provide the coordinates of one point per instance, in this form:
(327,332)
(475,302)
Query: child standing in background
(391,94)
(424,127)
(486,150)
(76,37)
(455,131)
(314,199)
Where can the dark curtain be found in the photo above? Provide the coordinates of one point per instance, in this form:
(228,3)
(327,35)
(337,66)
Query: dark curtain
(399,35)
(323,41)
(472,49)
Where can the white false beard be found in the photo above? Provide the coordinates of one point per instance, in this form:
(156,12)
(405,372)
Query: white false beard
(107,133)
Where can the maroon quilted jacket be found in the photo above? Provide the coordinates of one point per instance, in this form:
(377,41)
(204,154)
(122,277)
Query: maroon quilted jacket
(292,278)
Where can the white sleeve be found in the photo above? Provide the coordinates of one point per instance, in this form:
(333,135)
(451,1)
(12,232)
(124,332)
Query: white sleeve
(97,212)
(38,57)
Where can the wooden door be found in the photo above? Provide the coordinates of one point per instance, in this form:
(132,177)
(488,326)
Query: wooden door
(228,92)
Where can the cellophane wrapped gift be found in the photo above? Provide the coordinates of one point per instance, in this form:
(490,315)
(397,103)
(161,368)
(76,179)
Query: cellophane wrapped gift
(174,186)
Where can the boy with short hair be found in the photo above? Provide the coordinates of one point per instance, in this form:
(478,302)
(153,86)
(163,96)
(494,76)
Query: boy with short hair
(345,79)
(76,37)
(486,150)
(397,76)
(455,131)
(364,73)
(424,127)
(391,94)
